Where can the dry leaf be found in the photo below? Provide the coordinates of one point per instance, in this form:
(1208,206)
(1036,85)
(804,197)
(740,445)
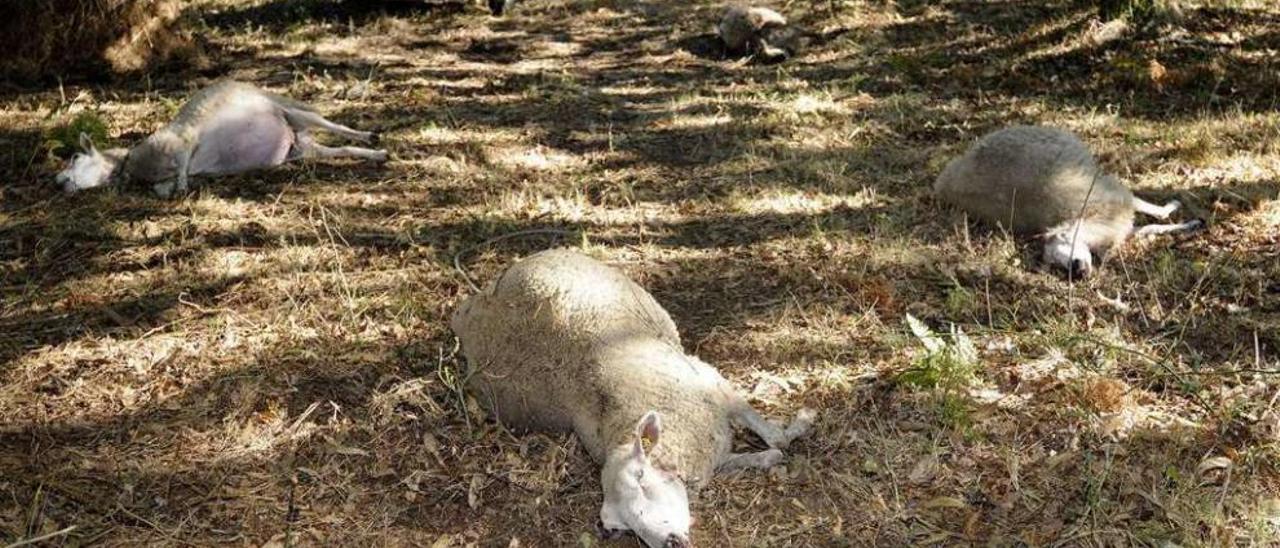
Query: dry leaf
(870,466)
(432,445)
(1213,463)
(473,492)
(1108,32)
(1118,425)
(1104,395)
(924,471)
(1159,75)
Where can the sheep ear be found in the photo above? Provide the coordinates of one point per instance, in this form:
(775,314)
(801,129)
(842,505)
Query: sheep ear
(86,143)
(648,429)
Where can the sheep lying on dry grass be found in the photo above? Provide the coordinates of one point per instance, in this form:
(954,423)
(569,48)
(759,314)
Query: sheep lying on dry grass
(228,127)
(1042,180)
(562,342)
(756,31)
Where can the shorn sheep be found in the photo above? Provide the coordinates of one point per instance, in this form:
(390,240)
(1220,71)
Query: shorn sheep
(756,31)
(561,342)
(228,127)
(1044,181)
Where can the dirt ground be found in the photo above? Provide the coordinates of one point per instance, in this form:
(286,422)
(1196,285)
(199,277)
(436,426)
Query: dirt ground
(266,361)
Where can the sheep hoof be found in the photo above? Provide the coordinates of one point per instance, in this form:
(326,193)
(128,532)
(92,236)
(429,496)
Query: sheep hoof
(771,458)
(805,418)
(375,137)
(771,54)
(164,190)
(802,424)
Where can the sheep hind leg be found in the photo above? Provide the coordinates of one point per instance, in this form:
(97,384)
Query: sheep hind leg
(1153,230)
(302,120)
(311,149)
(762,460)
(1157,211)
(772,434)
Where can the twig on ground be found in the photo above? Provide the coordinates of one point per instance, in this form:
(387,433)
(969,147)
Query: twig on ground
(41,538)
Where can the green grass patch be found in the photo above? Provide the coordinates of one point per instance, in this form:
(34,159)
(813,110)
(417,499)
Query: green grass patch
(947,368)
(64,140)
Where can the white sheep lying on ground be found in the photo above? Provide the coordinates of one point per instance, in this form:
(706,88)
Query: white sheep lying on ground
(228,127)
(562,342)
(756,31)
(1037,180)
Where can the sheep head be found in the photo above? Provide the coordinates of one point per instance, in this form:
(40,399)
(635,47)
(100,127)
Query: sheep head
(642,498)
(1069,249)
(88,168)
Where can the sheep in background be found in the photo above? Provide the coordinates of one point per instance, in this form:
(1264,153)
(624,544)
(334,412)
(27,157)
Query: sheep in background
(228,127)
(756,31)
(562,342)
(1042,180)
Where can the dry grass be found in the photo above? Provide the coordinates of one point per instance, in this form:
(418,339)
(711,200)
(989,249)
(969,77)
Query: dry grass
(267,361)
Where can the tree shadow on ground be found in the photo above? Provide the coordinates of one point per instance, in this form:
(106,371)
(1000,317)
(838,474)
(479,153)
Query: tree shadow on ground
(283,15)
(29,331)
(1052,58)
(285,393)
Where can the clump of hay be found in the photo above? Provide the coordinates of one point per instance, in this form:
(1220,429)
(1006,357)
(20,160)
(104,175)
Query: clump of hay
(88,38)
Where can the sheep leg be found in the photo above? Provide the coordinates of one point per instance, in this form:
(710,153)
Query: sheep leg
(312,149)
(180,185)
(772,434)
(302,120)
(762,460)
(767,51)
(1159,212)
(184,166)
(1152,230)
